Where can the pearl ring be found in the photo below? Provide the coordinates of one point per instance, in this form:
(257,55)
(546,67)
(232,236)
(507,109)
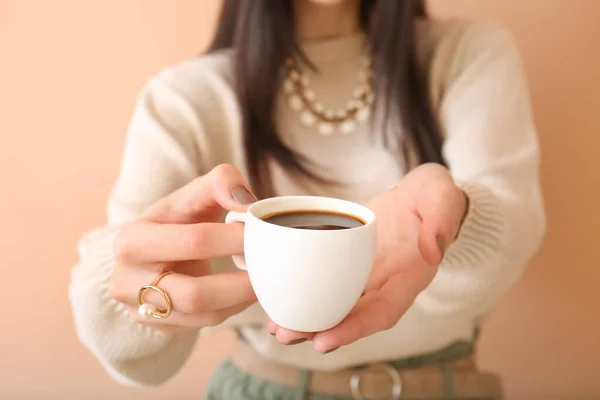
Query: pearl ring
(147,310)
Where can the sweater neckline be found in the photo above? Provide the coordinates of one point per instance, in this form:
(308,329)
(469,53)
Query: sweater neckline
(335,49)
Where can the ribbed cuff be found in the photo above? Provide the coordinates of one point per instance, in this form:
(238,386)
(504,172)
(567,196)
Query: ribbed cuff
(483,227)
(131,352)
(470,264)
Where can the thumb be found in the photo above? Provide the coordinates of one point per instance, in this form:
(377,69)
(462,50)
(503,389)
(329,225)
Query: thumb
(222,188)
(440,206)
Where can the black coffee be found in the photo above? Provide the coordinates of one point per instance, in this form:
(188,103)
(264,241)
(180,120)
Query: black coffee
(314,219)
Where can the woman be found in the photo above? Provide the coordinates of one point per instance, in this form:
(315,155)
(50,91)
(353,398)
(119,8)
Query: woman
(338,98)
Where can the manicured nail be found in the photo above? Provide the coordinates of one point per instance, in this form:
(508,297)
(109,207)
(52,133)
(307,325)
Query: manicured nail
(297,341)
(441,244)
(332,350)
(242,195)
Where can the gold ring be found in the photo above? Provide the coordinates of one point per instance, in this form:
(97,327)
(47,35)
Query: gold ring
(147,310)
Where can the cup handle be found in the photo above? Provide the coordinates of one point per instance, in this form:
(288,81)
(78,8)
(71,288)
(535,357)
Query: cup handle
(232,216)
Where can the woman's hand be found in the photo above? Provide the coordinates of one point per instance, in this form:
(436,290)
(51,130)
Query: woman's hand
(416,221)
(181,233)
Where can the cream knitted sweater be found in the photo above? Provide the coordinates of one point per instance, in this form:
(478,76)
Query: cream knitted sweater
(187,121)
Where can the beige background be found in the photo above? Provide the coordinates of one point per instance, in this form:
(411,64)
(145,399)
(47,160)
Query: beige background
(69,72)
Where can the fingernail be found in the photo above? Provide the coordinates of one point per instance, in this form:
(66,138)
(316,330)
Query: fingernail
(332,350)
(242,195)
(441,244)
(297,341)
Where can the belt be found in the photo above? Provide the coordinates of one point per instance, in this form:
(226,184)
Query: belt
(377,381)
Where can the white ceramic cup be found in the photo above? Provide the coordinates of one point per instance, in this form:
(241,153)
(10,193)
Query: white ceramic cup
(306,280)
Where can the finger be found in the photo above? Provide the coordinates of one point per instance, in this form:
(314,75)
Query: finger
(441,206)
(219,291)
(186,321)
(285,336)
(194,268)
(223,187)
(272,327)
(188,295)
(373,313)
(149,242)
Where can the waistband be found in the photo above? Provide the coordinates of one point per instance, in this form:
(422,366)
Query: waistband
(432,376)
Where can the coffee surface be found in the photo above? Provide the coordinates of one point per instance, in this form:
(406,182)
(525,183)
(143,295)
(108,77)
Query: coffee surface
(314,219)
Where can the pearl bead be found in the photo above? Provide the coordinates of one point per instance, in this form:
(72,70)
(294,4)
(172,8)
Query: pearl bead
(341,113)
(307,118)
(326,128)
(363,114)
(329,114)
(296,103)
(370,98)
(358,92)
(362,76)
(146,310)
(309,94)
(304,80)
(288,86)
(318,107)
(347,127)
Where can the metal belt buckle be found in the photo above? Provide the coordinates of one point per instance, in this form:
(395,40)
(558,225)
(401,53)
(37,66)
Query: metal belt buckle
(387,369)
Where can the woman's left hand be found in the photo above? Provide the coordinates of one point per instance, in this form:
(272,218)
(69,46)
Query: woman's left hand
(416,222)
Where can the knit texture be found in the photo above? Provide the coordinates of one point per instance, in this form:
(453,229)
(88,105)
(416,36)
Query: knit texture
(187,121)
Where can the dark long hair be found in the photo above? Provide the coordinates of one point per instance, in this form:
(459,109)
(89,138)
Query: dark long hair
(262,34)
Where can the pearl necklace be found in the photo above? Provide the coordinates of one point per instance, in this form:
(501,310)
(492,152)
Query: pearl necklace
(329,121)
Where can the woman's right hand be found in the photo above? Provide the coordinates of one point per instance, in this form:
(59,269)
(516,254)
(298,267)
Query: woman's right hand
(180,233)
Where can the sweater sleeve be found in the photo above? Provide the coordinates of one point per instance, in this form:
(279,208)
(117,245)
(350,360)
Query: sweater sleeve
(492,152)
(159,156)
